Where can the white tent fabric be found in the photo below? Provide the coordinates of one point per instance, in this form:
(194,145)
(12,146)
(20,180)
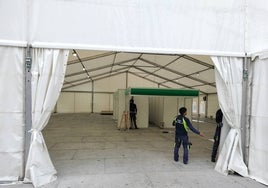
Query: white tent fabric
(228,75)
(13,19)
(232,27)
(223,28)
(170,26)
(258,151)
(256,37)
(48,71)
(11,113)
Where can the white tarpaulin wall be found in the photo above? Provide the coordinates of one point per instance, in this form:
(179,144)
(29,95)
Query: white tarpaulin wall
(222,28)
(256,33)
(140,25)
(48,71)
(208,27)
(11,113)
(229,77)
(13,19)
(258,150)
(170,26)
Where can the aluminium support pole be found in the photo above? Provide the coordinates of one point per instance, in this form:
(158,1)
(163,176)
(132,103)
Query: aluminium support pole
(244,111)
(206,109)
(92,96)
(28,106)
(198,107)
(126,79)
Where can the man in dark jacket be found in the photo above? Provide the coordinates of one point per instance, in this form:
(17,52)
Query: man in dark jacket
(132,113)
(217,135)
(183,125)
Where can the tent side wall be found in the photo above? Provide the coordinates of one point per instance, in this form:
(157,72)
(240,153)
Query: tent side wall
(14,22)
(12,113)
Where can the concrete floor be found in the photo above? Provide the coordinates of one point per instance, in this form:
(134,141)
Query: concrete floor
(89,152)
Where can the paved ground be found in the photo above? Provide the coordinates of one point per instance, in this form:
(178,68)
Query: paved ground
(89,152)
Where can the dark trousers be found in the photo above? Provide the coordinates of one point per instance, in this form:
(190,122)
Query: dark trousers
(178,141)
(217,137)
(133,119)
(215,148)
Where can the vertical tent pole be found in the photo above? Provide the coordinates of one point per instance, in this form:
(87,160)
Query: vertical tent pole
(126,79)
(92,96)
(198,107)
(244,111)
(28,105)
(206,110)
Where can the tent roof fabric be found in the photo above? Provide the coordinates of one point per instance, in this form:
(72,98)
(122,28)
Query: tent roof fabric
(218,28)
(162,92)
(167,71)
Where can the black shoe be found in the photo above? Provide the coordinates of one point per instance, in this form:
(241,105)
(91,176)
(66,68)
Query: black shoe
(176,160)
(213,160)
(185,162)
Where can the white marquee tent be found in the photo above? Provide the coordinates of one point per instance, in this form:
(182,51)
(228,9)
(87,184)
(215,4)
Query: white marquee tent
(35,38)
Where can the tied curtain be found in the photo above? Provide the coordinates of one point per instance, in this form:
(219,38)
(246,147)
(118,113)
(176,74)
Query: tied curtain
(48,71)
(229,78)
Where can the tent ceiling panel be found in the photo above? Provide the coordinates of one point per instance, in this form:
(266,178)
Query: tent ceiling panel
(208,75)
(189,81)
(83,86)
(137,72)
(186,66)
(74,68)
(126,56)
(156,78)
(92,64)
(168,74)
(99,71)
(70,85)
(172,85)
(144,64)
(76,77)
(83,54)
(168,71)
(162,60)
(203,58)
(104,71)
(206,89)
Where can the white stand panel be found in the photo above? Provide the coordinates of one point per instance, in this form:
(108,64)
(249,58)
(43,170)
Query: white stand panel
(121,105)
(142,103)
(170,111)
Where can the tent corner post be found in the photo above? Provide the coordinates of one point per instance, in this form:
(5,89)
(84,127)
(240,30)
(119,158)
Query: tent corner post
(92,96)
(245,124)
(28,106)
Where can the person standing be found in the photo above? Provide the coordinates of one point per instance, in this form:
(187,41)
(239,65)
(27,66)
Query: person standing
(183,125)
(217,135)
(132,113)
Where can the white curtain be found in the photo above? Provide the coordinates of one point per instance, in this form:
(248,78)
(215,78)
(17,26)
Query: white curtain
(48,71)
(11,113)
(228,75)
(258,150)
